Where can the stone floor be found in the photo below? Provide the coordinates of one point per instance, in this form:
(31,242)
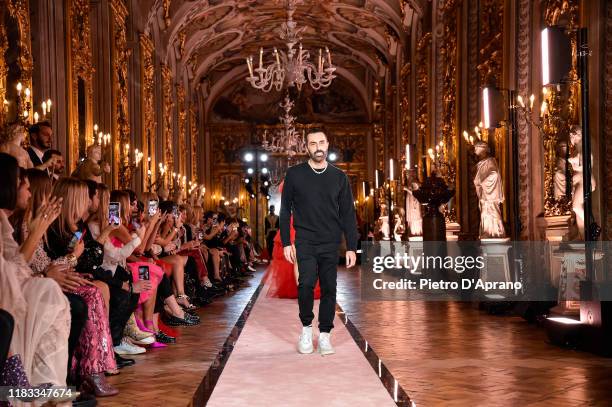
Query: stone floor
(452,354)
(441,353)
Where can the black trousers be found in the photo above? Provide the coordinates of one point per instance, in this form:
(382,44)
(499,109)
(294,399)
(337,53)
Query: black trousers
(121,305)
(7,325)
(317,260)
(270,241)
(78,318)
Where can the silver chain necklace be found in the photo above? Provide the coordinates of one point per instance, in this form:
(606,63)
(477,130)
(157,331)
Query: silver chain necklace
(316,171)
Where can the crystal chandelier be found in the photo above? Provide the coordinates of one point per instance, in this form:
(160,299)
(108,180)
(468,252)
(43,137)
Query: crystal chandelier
(287,140)
(294,66)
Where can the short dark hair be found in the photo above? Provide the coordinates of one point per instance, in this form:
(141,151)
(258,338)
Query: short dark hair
(35,128)
(11,174)
(315,130)
(221,217)
(208,215)
(92,187)
(49,153)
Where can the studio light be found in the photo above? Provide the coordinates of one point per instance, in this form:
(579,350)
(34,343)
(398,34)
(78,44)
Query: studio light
(263,157)
(264,170)
(248,157)
(333,156)
(249,171)
(493,109)
(556,51)
(246,180)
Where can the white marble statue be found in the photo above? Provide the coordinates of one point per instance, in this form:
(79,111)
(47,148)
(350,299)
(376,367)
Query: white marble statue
(577,164)
(490,190)
(414,218)
(382,224)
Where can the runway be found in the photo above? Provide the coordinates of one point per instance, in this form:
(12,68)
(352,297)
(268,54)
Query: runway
(265,369)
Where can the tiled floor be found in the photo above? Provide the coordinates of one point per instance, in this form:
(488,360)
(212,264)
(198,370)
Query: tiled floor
(442,354)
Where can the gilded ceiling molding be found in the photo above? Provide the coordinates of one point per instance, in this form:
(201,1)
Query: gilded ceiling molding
(167,132)
(166,8)
(121,123)
(81,68)
(149,118)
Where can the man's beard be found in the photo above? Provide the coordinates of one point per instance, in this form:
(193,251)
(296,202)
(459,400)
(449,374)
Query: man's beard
(318,158)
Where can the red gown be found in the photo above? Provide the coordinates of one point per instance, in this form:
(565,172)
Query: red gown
(279,275)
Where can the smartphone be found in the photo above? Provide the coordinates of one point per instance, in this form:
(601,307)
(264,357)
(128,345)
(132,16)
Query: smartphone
(143,272)
(135,224)
(114,211)
(153,207)
(200,235)
(76,238)
(175,211)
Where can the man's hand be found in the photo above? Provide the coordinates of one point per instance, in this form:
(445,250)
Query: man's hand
(351,259)
(141,285)
(289,252)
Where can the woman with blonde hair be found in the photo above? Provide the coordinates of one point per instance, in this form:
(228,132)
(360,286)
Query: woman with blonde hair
(65,244)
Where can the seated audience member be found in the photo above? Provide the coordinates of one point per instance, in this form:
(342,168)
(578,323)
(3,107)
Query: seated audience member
(38,306)
(92,355)
(56,170)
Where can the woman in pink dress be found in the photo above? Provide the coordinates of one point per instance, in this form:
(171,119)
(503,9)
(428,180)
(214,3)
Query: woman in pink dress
(282,276)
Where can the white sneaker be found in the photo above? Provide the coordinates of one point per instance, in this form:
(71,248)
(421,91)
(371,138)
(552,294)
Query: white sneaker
(305,342)
(325,346)
(128,348)
(251,268)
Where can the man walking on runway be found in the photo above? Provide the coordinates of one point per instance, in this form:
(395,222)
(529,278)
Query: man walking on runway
(320,198)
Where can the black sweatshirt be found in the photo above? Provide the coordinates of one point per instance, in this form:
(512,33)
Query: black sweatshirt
(322,206)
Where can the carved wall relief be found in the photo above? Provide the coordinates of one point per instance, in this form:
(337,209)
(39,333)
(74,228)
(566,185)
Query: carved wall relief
(167,132)
(182,128)
(121,124)
(80,85)
(193,134)
(149,118)
(562,105)
(15,56)
(423,64)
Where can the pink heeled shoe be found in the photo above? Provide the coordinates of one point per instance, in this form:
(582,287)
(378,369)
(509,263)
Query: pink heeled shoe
(143,325)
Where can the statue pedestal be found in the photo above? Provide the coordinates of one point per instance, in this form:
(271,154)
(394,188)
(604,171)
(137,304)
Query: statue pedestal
(497,264)
(452,231)
(555,227)
(572,272)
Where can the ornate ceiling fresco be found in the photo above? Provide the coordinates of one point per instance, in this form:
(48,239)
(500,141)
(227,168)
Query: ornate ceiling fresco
(210,39)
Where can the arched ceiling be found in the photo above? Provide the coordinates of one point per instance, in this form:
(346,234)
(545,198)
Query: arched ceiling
(210,39)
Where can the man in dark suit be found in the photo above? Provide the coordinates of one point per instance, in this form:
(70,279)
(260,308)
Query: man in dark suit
(41,134)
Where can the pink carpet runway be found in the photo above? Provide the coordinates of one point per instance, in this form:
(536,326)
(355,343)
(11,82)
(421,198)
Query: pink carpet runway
(265,368)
